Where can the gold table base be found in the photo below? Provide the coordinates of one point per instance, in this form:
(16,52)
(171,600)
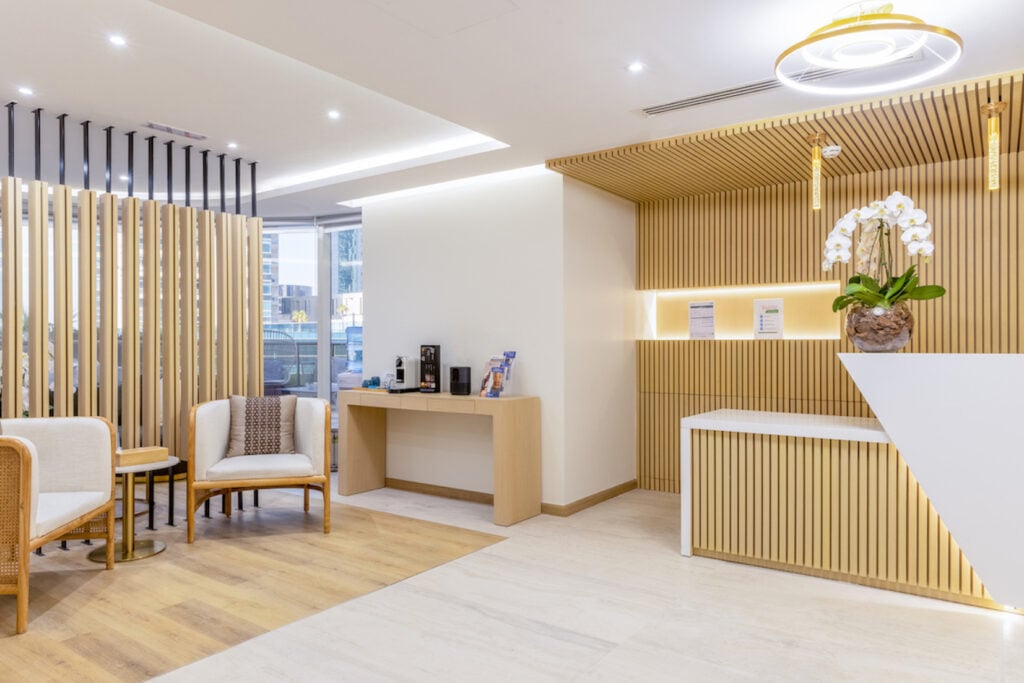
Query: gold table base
(128,549)
(141,551)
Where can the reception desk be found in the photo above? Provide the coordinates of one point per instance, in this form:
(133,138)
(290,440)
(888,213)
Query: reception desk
(827,496)
(515,433)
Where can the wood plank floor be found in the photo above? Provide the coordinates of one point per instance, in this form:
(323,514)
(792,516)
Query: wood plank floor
(261,569)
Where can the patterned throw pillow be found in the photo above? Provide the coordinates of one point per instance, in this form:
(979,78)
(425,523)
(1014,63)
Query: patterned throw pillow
(262,424)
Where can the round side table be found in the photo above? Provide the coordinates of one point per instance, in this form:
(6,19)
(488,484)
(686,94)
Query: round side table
(127,550)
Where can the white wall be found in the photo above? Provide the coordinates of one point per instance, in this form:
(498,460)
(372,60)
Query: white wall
(478,270)
(540,265)
(600,339)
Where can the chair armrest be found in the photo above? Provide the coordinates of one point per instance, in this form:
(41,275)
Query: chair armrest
(312,431)
(23,453)
(74,453)
(209,431)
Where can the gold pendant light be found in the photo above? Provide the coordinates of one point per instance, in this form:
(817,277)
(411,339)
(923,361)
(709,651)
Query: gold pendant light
(816,140)
(993,110)
(868,49)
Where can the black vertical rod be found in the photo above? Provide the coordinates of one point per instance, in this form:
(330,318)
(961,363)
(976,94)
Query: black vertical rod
(61,155)
(206,193)
(252,186)
(238,186)
(10,138)
(109,130)
(223,206)
(170,171)
(38,113)
(85,154)
(188,175)
(149,165)
(131,164)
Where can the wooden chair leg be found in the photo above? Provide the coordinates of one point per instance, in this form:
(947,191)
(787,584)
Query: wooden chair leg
(110,538)
(327,511)
(226,502)
(305,498)
(21,621)
(190,512)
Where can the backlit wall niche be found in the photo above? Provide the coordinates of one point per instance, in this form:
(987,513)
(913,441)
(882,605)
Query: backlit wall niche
(807,312)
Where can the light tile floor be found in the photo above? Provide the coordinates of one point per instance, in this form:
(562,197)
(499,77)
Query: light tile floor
(605,596)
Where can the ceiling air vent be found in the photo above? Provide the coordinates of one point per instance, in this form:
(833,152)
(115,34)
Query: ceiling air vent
(761,86)
(164,128)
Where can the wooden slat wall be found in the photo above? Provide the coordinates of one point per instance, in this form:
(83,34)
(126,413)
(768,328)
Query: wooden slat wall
(13,308)
(169,253)
(766,235)
(836,509)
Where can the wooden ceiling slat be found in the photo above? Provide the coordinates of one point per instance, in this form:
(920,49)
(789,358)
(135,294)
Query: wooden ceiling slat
(939,124)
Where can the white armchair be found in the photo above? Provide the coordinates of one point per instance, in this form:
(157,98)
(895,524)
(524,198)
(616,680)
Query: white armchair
(211,473)
(56,483)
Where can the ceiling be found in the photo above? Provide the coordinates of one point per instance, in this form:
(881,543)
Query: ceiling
(547,78)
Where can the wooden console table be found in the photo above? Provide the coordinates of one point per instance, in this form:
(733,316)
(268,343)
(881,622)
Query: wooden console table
(515,431)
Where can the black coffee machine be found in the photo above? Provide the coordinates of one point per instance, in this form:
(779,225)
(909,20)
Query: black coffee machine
(430,368)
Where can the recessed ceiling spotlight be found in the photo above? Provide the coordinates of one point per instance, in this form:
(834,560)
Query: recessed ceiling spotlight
(232,145)
(636,67)
(334,114)
(25,90)
(117,40)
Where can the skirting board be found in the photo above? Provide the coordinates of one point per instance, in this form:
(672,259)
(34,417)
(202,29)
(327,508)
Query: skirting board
(487,498)
(589,501)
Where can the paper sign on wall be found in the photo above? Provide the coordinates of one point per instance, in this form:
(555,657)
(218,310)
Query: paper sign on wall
(702,320)
(767,318)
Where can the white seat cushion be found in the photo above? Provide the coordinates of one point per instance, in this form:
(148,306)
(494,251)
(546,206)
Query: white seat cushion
(271,466)
(54,510)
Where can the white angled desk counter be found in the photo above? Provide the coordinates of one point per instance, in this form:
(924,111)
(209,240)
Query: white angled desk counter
(515,432)
(762,422)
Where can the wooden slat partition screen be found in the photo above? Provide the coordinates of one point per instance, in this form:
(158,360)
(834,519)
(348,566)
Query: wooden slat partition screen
(87,302)
(63,304)
(171,318)
(108,379)
(254,330)
(187,293)
(13,308)
(836,509)
(38,300)
(151,386)
(207,303)
(130,395)
(150,321)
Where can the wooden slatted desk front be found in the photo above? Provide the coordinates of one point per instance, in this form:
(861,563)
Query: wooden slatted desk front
(515,432)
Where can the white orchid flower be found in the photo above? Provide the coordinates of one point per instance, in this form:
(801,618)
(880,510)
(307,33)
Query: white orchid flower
(838,241)
(912,218)
(840,254)
(898,202)
(916,234)
(845,226)
(921,248)
(826,265)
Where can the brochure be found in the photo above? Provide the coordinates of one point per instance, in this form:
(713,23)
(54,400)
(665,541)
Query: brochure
(497,375)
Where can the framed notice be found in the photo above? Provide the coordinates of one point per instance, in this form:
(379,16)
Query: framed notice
(767,318)
(702,320)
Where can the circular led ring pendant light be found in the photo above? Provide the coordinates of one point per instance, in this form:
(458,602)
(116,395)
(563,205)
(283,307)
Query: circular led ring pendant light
(897,50)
